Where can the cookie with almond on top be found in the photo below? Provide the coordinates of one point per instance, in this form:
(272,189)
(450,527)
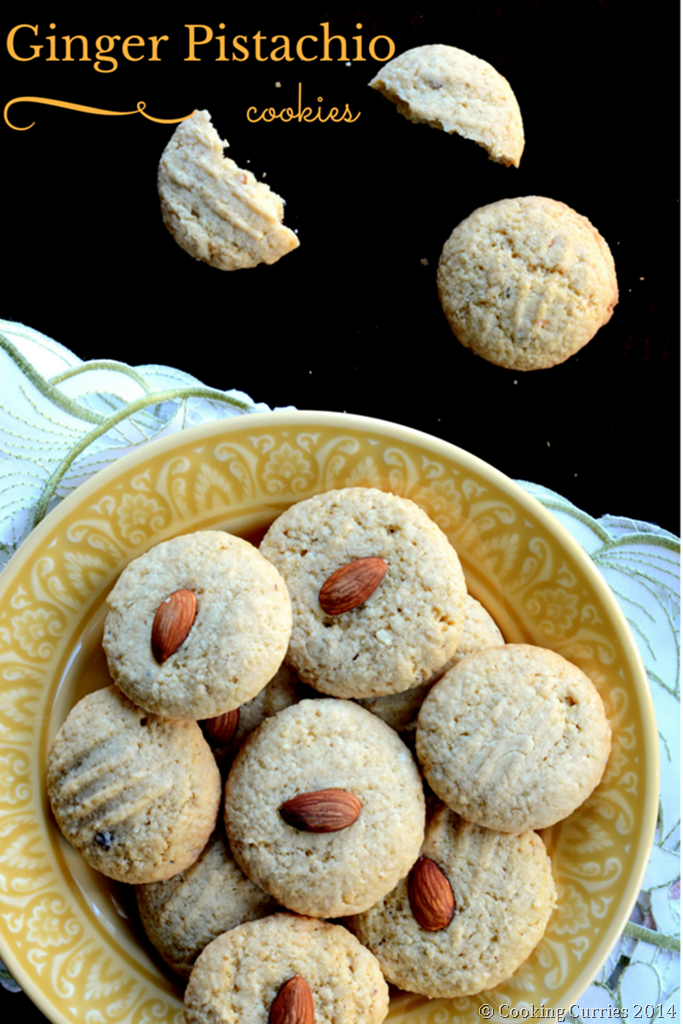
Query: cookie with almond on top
(197,626)
(378,592)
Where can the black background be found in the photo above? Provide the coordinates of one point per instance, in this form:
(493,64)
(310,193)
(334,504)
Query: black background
(351,320)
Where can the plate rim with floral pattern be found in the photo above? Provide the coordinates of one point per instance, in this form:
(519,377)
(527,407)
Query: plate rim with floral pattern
(59,935)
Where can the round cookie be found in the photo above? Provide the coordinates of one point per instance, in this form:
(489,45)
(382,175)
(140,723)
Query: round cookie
(525,283)
(216,211)
(448,88)
(400,710)
(313,746)
(504,895)
(136,794)
(239,976)
(237,640)
(183,914)
(406,629)
(513,737)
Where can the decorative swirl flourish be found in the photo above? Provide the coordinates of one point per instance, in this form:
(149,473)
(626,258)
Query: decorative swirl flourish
(140,109)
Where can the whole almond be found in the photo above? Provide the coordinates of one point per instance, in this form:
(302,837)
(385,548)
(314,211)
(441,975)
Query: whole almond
(351,585)
(172,622)
(221,729)
(293,1004)
(322,810)
(431,896)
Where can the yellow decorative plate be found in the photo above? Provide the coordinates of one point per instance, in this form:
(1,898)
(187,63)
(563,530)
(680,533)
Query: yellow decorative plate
(68,935)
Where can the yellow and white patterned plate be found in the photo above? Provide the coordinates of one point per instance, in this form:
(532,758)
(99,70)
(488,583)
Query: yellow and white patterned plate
(69,936)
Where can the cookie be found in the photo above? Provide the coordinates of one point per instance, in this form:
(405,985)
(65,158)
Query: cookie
(183,914)
(403,631)
(236,641)
(241,974)
(400,710)
(513,737)
(502,892)
(525,283)
(135,794)
(450,89)
(314,747)
(215,211)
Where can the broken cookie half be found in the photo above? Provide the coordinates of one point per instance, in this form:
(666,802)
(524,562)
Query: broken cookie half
(216,211)
(450,89)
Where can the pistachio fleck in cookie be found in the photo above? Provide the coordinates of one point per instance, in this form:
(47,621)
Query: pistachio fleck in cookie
(183,914)
(324,808)
(215,211)
(513,737)
(135,794)
(448,88)
(399,627)
(525,283)
(495,895)
(242,973)
(232,642)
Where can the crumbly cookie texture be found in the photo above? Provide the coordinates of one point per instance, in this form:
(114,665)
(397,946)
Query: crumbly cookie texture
(525,283)
(283,690)
(237,641)
(406,630)
(317,745)
(135,794)
(238,977)
(400,710)
(504,895)
(513,737)
(216,211)
(448,88)
(183,914)
(479,631)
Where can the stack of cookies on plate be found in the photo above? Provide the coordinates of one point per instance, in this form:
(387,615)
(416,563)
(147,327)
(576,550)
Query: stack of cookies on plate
(325,818)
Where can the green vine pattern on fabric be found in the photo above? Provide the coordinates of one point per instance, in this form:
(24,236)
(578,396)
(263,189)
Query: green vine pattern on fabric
(63,419)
